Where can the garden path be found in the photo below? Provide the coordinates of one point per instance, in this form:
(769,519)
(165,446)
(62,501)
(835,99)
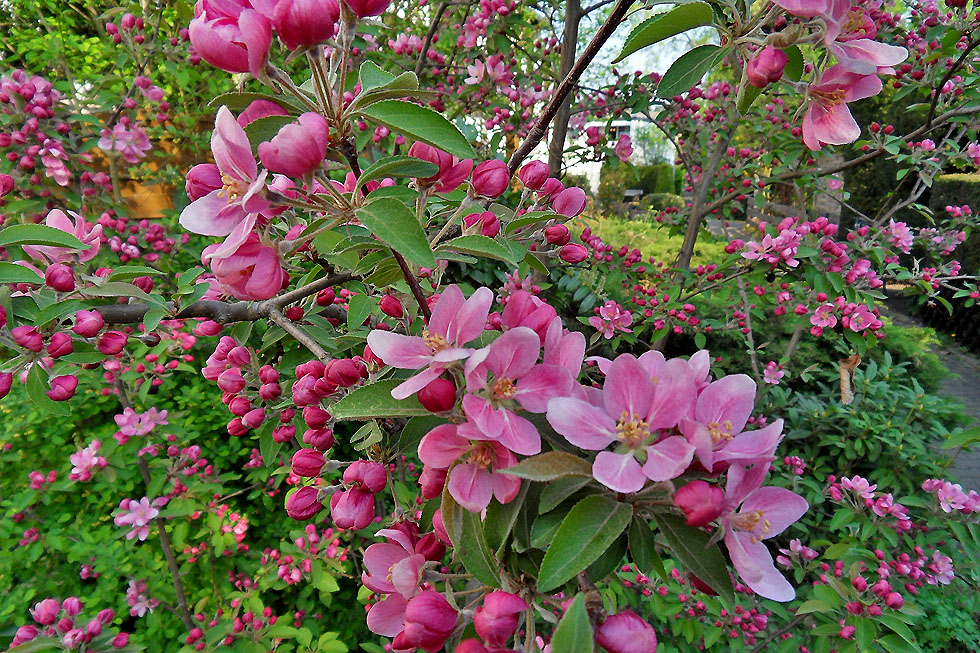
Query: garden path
(963,382)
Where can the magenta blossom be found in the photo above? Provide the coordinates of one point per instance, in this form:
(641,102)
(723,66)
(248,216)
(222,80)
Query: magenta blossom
(849,37)
(752,514)
(298,148)
(393,568)
(828,121)
(253,271)
(80,229)
(455,322)
(231,35)
(452,170)
(638,399)
(475,480)
(232,209)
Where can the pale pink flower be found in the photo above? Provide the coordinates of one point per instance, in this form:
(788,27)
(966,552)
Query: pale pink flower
(139,602)
(773,373)
(754,513)
(395,569)
(137,514)
(859,486)
(824,317)
(900,236)
(636,402)
(611,318)
(942,567)
(848,38)
(828,121)
(85,461)
(87,233)
(455,322)
(252,271)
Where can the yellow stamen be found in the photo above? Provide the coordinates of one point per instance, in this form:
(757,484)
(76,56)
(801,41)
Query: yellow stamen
(434,341)
(632,432)
(503,389)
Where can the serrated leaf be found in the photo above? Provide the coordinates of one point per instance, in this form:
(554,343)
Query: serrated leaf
(375,400)
(486,247)
(590,527)
(38,234)
(643,551)
(421,123)
(574,632)
(549,466)
(396,166)
(687,71)
(395,224)
(662,26)
(372,77)
(691,548)
(475,553)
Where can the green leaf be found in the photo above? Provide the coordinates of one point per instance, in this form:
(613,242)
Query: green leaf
(395,224)
(475,553)
(963,438)
(37,386)
(421,123)
(899,627)
(264,129)
(375,400)
(558,490)
(11,273)
(643,551)
(359,309)
(586,532)
(415,429)
(396,166)
(533,217)
(794,63)
(452,517)
(501,517)
(574,631)
(691,548)
(486,247)
(610,560)
(38,234)
(747,94)
(127,272)
(813,605)
(549,466)
(662,26)
(373,77)
(687,71)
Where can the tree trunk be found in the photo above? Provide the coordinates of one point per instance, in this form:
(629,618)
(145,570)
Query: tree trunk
(559,129)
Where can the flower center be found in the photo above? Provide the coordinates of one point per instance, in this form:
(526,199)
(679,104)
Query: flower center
(482,456)
(502,389)
(748,521)
(854,24)
(829,98)
(631,432)
(720,432)
(231,187)
(434,341)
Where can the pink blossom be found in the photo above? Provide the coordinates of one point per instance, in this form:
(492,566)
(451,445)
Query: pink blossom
(139,601)
(85,461)
(639,397)
(230,35)
(611,318)
(130,140)
(942,568)
(773,373)
(138,515)
(859,486)
(452,170)
(624,148)
(756,513)
(132,423)
(900,236)
(844,39)
(252,271)
(455,322)
(87,233)
(824,317)
(298,148)
(828,120)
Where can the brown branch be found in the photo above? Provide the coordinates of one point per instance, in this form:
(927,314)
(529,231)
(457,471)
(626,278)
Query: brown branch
(420,64)
(540,128)
(937,90)
(298,334)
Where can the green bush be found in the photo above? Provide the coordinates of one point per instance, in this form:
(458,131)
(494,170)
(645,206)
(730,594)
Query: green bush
(957,190)
(615,179)
(659,201)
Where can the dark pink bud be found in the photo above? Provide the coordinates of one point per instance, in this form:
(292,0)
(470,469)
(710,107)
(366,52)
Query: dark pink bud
(231,380)
(283,434)
(46,612)
(254,418)
(321,439)
(112,342)
(766,67)
(557,234)
(239,406)
(303,503)
(432,481)
(6,184)
(429,620)
(452,171)
(496,620)
(72,606)
(62,388)
(550,188)
(353,508)
(366,8)
(28,338)
(6,380)
(573,253)
(127,22)
(307,463)
(106,615)
(485,223)
(438,396)
(202,179)
(298,148)
(270,391)
(326,297)
(25,634)
(701,502)
(60,345)
(369,474)
(239,357)
(268,374)
(315,417)
(344,372)
(3,317)
(303,391)
(491,178)
(93,628)
(430,548)
(626,632)
(121,640)
(534,174)
(310,368)
(894,600)
(302,23)
(569,202)
(88,323)
(260,109)
(392,307)
(235,428)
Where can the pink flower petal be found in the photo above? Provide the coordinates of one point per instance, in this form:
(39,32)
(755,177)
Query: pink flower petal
(211,215)
(729,399)
(442,446)
(668,458)
(406,574)
(481,414)
(780,508)
(754,565)
(518,434)
(471,319)
(752,447)
(449,305)
(628,388)
(401,351)
(619,472)
(582,424)
(415,383)
(387,617)
(471,486)
(540,385)
(513,354)
(230,147)
(674,395)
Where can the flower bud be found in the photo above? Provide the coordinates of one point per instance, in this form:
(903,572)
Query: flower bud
(429,620)
(6,184)
(106,616)
(766,67)
(344,372)
(557,234)
(298,148)
(28,338)
(366,8)
(569,202)
(46,612)
(353,508)
(60,345)
(894,600)
(25,633)
(626,632)
(430,548)
(202,179)
(392,307)
(302,23)
(315,417)
(491,178)
(59,277)
(236,428)
(283,434)
(550,188)
(303,503)
(88,323)
(112,342)
(239,357)
(496,620)
(573,253)
(238,406)
(307,463)
(231,380)
(254,418)
(326,297)
(534,174)
(270,391)
(701,502)
(321,439)
(369,474)
(121,640)
(485,223)
(438,396)
(6,380)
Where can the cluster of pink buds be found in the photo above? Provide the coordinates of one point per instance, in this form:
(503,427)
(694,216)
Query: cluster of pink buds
(86,461)
(62,624)
(38,479)
(138,598)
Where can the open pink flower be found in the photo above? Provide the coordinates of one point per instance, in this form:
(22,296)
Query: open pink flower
(232,209)
(505,376)
(805,8)
(753,514)
(80,229)
(828,121)
(473,482)
(251,272)
(455,322)
(231,35)
(715,428)
(395,569)
(452,170)
(637,401)
(137,514)
(849,37)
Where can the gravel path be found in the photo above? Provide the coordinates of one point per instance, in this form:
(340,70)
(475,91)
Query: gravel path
(963,382)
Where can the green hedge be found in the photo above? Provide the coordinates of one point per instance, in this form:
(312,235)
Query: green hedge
(616,179)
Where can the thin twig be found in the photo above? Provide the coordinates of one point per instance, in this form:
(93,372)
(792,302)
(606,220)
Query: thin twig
(275,315)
